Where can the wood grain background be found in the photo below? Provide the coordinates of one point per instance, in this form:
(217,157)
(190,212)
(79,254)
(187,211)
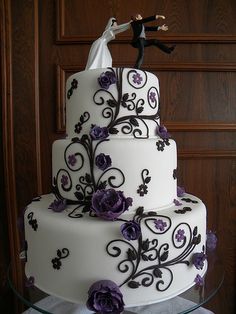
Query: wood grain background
(46,41)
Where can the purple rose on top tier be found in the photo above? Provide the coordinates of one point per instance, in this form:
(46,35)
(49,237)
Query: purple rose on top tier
(106,79)
(58,205)
(98,133)
(130,230)
(211,240)
(160,224)
(198,260)
(103,161)
(110,204)
(137,78)
(162,132)
(105,297)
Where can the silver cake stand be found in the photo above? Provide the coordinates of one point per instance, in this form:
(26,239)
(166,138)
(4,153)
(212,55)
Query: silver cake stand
(189,301)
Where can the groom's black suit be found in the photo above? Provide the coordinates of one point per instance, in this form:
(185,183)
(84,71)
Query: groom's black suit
(139,40)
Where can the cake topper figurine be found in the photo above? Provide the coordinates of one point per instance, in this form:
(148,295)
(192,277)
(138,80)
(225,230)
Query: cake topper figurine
(139,40)
(99,54)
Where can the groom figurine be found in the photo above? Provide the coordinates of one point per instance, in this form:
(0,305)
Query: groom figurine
(139,40)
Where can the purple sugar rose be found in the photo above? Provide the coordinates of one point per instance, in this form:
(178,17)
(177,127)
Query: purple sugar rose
(180,191)
(199,280)
(211,240)
(103,161)
(162,132)
(104,296)
(98,133)
(130,230)
(58,205)
(106,79)
(110,204)
(177,202)
(198,260)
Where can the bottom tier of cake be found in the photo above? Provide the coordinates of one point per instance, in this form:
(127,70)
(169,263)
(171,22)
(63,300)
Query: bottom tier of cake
(152,256)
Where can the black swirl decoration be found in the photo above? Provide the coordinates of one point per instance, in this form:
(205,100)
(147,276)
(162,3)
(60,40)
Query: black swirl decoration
(124,111)
(183,210)
(189,200)
(143,188)
(147,262)
(32,222)
(75,155)
(83,119)
(61,254)
(74,85)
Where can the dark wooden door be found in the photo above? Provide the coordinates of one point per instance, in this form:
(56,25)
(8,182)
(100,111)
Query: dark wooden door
(46,41)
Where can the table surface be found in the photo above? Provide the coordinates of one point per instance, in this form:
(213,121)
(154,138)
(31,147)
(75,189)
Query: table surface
(189,301)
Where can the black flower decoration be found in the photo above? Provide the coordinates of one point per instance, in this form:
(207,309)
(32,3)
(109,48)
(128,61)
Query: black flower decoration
(143,188)
(61,254)
(74,85)
(32,222)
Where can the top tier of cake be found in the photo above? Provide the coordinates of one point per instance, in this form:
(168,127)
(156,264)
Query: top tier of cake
(126,101)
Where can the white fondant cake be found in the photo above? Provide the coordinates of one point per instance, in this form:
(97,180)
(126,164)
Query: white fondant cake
(114,216)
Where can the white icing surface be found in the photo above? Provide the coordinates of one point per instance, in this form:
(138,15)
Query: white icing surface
(129,157)
(86,239)
(84,100)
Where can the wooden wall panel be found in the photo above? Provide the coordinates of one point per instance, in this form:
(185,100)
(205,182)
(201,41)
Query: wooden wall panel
(51,40)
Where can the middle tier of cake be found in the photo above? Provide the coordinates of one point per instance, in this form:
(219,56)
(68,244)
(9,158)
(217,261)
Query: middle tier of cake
(144,170)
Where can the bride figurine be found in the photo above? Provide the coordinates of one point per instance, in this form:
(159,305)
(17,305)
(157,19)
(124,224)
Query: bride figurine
(99,54)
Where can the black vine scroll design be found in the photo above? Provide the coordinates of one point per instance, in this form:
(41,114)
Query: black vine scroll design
(134,257)
(74,85)
(87,183)
(143,188)
(189,200)
(134,122)
(61,254)
(32,222)
(83,119)
(183,210)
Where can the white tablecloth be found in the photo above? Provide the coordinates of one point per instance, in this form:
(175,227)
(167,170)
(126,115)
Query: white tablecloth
(58,306)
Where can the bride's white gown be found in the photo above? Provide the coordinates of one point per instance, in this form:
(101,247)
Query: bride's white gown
(99,54)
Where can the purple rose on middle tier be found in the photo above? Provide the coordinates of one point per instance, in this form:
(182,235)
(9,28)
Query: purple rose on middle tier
(162,132)
(110,204)
(103,161)
(98,133)
(130,230)
(58,205)
(198,260)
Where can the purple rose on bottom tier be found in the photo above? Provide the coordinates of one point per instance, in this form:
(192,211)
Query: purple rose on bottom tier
(110,204)
(198,260)
(130,230)
(105,297)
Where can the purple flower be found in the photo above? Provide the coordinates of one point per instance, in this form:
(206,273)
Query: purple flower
(106,79)
(64,180)
(29,282)
(162,132)
(72,160)
(198,260)
(211,240)
(180,191)
(98,133)
(180,235)
(160,224)
(130,230)
(105,297)
(177,202)
(137,78)
(58,205)
(199,281)
(103,161)
(110,204)
(152,96)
